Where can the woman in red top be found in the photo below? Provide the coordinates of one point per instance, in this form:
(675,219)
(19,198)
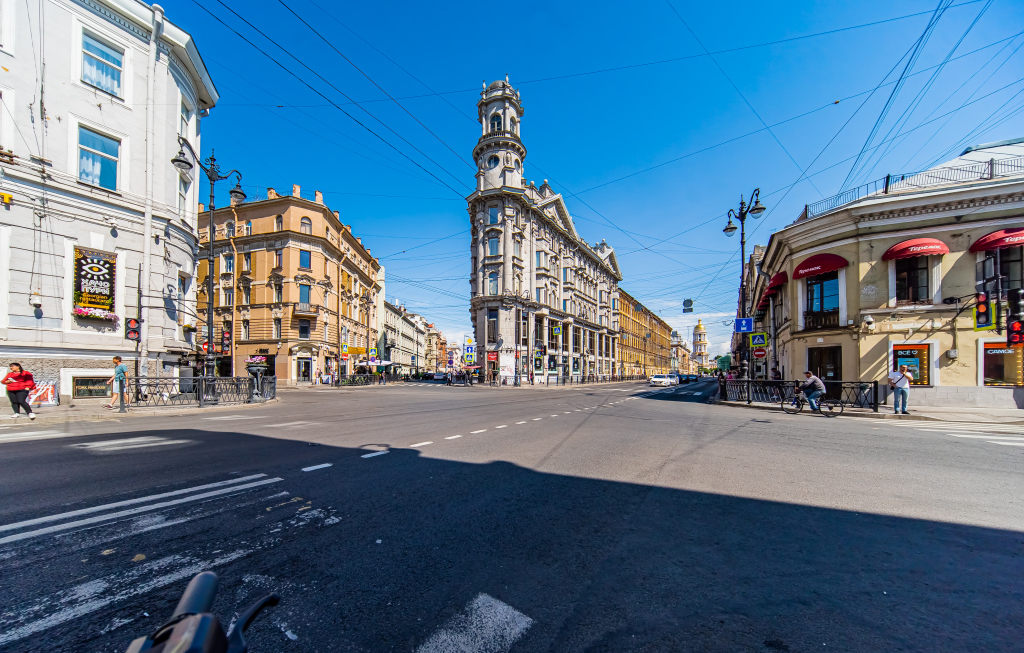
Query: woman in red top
(19,383)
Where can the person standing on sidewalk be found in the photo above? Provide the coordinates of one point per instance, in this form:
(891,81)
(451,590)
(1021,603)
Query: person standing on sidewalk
(119,382)
(19,383)
(899,381)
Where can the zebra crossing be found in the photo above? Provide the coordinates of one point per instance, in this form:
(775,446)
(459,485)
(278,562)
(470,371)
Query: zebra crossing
(1007,435)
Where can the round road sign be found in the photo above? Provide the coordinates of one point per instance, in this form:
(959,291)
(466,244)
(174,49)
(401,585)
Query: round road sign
(760,352)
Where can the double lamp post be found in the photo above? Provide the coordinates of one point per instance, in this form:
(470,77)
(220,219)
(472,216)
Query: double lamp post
(755,210)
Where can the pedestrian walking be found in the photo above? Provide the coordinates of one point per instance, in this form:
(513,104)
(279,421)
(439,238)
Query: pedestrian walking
(118,383)
(19,383)
(776,374)
(899,381)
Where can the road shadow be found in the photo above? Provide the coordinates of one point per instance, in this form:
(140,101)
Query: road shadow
(404,541)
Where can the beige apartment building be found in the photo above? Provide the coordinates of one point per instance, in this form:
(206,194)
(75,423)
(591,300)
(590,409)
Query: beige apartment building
(645,340)
(858,284)
(293,284)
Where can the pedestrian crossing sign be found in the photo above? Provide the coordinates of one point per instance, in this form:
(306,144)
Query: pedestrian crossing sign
(758,339)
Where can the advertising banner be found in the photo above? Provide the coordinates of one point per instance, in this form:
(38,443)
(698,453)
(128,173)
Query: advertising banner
(45,394)
(94,279)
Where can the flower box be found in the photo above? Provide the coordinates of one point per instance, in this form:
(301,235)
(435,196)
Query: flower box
(95,314)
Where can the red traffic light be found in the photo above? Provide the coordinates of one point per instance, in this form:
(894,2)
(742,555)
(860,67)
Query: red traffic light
(981,297)
(131,323)
(1015,333)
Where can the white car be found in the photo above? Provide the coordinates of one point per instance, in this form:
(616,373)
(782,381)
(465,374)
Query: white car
(661,379)
(439,376)
(675,378)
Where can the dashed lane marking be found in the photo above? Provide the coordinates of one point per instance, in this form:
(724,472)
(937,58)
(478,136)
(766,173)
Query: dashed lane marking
(1009,444)
(420,444)
(316,467)
(375,453)
(452,437)
(537,419)
(232,417)
(107,446)
(288,425)
(503,426)
(520,422)
(475,432)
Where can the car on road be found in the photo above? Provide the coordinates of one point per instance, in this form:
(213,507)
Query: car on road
(439,376)
(661,379)
(674,378)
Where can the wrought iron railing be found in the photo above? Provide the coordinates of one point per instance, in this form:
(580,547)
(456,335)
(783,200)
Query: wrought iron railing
(912,181)
(152,392)
(856,394)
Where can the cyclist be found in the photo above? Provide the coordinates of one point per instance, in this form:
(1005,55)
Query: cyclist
(812,389)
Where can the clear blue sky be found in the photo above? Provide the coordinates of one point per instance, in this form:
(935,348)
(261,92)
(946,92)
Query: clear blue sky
(584,132)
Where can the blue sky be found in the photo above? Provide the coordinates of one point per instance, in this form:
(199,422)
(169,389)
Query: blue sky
(399,177)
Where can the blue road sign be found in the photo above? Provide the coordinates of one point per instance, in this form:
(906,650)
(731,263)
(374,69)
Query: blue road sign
(758,339)
(744,325)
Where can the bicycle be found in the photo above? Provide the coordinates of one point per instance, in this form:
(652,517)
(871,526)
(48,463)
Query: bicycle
(827,407)
(193,629)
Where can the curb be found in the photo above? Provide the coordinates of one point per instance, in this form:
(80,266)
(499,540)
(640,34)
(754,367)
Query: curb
(108,415)
(869,415)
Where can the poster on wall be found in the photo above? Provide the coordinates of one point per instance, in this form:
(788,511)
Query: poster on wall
(44,394)
(94,283)
(916,358)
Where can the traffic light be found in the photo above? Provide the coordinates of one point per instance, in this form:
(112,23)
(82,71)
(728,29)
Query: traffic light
(1015,300)
(983,312)
(226,340)
(1015,323)
(132,328)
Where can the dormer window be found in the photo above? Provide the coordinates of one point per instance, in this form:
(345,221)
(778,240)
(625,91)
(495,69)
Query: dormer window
(496,122)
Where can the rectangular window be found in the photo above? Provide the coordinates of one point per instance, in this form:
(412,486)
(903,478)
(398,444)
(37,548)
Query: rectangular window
(247,262)
(912,280)
(1010,266)
(101,65)
(823,293)
(304,293)
(229,263)
(245,294)
(525,329)
(278,293)
(305,259)
(492,326)
(492,246)
(245,329)
(1003,365)
(303,329)
(917,358)
(186,118)
(98,158)
(565,275)
(183,187)
(492,215)
(538,296)
(228,296)
(278,258)
(517,247)
(565,305)
(277,328)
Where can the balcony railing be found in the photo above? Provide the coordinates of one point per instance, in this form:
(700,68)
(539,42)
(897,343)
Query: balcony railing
(305,308)
(500,133)
(821,320)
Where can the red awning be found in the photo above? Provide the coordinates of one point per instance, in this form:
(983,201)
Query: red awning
(779,279)
(999,239)
(915,247)
(820,264)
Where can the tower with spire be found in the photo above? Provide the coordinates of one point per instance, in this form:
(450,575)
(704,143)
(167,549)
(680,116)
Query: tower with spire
(700,345)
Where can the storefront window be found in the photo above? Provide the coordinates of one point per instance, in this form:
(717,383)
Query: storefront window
(1003,365)
(912,281)
(917,359)
(83,388)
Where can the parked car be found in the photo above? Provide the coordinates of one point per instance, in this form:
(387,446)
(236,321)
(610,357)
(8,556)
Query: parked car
(439,376)
(661,379)
(676,379)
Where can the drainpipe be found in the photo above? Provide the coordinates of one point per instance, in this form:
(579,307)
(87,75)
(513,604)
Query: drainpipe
(147,245)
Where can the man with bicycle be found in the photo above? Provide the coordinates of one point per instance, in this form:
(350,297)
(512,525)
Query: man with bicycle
(812,389)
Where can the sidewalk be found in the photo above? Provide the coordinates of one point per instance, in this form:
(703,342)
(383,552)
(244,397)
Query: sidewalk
(925,413)
(61,414)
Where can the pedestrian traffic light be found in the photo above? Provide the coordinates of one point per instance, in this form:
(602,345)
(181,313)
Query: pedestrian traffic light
(1014,333)
(1015,300)
(132,328)
(983,312)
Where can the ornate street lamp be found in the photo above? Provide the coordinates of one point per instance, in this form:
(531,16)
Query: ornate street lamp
(212,170)
(755,210)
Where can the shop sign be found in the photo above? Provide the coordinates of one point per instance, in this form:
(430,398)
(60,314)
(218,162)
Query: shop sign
(492,355)
(94,279)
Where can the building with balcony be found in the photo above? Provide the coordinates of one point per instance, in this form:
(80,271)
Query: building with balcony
(542,299)
(645,340)
(859,284)
(95,222)
(292,283)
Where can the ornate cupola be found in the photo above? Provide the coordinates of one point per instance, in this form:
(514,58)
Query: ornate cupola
(499,154)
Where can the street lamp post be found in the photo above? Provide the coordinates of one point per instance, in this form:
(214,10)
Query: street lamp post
(212,170)
(755,210)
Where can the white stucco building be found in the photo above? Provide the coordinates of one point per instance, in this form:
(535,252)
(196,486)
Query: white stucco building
(542,298)
(95,94)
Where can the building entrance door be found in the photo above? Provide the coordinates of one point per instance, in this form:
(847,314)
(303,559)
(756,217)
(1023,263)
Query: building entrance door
(827,365)
(305,371)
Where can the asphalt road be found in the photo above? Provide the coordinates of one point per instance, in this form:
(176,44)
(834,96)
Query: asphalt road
(433,519)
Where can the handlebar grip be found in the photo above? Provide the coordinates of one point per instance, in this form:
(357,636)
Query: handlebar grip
(198,596)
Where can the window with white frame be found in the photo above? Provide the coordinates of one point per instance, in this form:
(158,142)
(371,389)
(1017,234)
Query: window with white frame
(183,187)
(186,118)
(98,157)
(228,263)
(227,297)
(102,64)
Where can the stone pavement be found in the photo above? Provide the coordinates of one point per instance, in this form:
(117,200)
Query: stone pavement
(941,413)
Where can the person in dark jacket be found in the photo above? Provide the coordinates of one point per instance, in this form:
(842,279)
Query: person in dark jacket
(19,383)
(812,389)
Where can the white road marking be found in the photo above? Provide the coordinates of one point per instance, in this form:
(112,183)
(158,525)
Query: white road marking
(129,502)
(315,467)
(986,437)
(554,415)
(503,426)
(34,435)
(420,444)
(486,625)
(375,453)
(133,511)
(520,422)
(475,432)
(1009,444)
(452,437)
(537,419)
(128,443)
(577,410)
(229,417)
(287,424)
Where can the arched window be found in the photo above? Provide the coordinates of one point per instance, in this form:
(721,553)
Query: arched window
(492,283)
(512,125)
(279,223)
(517,165)
(493,162)
(248,228)
(519,284)
(496,122)
(306,226)
(230,229)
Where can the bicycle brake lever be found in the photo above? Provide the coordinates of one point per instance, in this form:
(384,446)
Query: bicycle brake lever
(236,636)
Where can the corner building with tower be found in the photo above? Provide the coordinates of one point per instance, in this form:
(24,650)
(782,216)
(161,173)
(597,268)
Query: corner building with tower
(543,302)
